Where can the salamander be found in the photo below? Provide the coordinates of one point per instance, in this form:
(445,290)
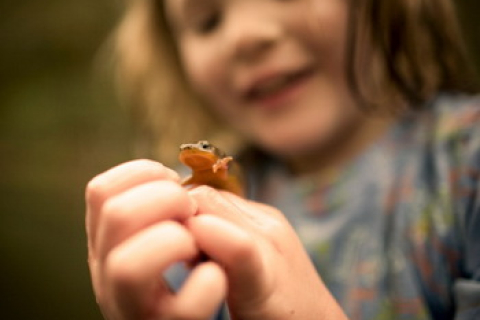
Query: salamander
(211,166)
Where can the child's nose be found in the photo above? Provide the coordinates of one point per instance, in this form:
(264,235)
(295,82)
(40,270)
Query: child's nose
(252,36)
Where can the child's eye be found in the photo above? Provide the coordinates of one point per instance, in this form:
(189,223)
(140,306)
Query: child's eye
(208,23)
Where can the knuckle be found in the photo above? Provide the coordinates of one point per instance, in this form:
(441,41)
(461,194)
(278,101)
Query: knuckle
(115,214)
(99,187)
(120,270)
(273,211)
(209,198)
(173,189)
(174,194)
(96,190)
(245,248)
(146,165)
(146,162)
(172,198)
(275,226)
(154,168)
(175,230)
(205,192)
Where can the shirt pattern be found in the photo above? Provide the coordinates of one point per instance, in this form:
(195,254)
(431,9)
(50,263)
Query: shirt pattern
(396,235)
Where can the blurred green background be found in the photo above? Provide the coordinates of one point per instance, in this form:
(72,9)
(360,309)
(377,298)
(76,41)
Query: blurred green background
(58,128)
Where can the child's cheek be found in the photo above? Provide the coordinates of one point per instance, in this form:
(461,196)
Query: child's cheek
(205,71)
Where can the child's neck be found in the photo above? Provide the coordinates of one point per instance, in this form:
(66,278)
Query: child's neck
(327,162)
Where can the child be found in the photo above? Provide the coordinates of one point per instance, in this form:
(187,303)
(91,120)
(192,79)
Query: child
(361,144)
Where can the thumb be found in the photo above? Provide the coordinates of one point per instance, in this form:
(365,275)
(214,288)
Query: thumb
(236,249)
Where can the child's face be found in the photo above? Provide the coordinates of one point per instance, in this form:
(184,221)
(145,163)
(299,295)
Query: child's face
(273,69)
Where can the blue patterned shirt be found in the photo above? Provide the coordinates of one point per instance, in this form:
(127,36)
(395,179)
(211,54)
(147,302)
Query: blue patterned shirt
(397,234)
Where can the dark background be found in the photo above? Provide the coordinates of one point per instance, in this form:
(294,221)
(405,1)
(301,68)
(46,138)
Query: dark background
(58,128)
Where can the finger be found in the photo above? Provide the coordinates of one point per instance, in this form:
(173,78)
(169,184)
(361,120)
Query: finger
(211,201)
(202,293)
(132,270)
(247,214)
(262,217)
(117,180)
(138,208)
(266,221)
(231,246)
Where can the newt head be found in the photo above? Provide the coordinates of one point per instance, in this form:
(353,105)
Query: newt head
(210,166)
(201,155)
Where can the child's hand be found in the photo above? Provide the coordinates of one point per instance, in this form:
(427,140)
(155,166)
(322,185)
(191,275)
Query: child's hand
(135,232)
(270,276)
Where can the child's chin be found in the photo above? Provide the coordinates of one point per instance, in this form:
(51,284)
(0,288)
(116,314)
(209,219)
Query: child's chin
(292,147)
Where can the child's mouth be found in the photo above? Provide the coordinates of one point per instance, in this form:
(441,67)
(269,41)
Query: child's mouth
(277,89)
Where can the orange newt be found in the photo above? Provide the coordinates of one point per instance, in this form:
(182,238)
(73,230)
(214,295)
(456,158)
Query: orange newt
(210,166)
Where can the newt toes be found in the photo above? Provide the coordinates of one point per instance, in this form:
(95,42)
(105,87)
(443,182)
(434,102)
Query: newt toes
(210,166)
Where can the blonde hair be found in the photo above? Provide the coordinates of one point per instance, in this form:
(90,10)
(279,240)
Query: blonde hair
(412,48)
(150,79)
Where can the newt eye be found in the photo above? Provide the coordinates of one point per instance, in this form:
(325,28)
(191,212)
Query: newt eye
(205,145)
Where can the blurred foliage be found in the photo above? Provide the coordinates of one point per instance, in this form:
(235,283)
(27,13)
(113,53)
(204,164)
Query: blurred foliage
(58,128)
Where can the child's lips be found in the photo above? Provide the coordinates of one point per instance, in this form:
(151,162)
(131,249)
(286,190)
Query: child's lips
(271,91)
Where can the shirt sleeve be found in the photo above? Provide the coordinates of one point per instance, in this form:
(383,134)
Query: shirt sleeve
(467,288)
